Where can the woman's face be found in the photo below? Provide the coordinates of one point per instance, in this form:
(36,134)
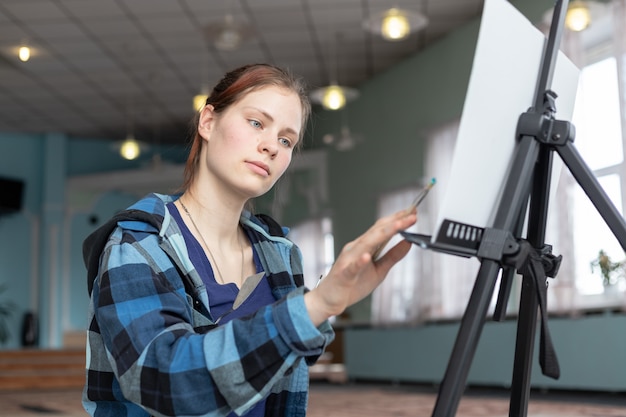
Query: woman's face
(249,146)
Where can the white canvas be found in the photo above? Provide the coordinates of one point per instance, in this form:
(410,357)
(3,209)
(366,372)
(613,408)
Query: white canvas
(502,85)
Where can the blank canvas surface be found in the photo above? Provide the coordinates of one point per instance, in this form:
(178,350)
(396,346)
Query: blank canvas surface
(502,85)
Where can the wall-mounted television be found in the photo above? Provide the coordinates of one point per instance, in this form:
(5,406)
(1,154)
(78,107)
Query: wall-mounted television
(11,193)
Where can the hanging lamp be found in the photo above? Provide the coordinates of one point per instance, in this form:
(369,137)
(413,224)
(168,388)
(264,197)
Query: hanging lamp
(396,24)
(333,96)
(130,148)
(228,34)
(23,53)
(581,14)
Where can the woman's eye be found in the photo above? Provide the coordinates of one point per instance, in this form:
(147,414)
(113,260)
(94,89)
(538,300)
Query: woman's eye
(255,123)
(285,142)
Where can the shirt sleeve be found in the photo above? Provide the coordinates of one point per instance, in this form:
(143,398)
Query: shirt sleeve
(164,365)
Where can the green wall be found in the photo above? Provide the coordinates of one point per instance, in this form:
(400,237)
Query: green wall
(590,351)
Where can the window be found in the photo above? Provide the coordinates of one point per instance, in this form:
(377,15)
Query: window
(435,286)
(599,117)
(599,141)
(315,240)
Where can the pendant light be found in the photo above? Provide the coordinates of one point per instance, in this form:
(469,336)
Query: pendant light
(130,148)
(333,96)
(581,14)
(396,24)
(23,53)
(578,16)
(199,100)
(228,34)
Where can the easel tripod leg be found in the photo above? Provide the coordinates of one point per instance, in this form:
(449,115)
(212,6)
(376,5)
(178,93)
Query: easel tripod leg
(528,308)
(453,383)
(524,345)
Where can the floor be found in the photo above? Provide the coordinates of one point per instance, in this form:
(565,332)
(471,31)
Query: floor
(361,400)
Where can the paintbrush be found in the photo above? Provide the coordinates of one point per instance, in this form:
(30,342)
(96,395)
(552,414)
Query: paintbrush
(418,199)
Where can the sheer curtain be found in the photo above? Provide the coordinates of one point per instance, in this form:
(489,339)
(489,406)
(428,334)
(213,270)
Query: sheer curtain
(399,298)
(314,238)
(425,285)
(452,277)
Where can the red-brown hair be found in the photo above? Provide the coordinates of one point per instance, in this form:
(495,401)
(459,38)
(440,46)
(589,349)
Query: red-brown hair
(232,88)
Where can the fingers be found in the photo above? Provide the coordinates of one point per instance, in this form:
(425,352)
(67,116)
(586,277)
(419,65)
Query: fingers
(392,256)
(376,238)
(390,227)
(381,232)
(356,273)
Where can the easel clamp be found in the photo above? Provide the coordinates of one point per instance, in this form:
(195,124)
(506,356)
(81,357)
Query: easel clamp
(543,126)
(500,245)
(496,243)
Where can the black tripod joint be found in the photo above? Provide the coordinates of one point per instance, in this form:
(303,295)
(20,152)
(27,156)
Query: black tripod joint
(542,125)
(496,244)
(550,262)
(501,246)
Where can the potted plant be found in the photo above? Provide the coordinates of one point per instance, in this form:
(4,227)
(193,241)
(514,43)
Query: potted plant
(609,270)
(6,311)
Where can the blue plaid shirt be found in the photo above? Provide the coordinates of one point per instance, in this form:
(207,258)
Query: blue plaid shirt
(153,348)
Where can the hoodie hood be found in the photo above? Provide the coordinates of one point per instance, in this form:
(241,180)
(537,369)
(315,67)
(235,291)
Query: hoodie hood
(146,214)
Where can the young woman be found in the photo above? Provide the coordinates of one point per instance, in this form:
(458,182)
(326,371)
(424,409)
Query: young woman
(198,306)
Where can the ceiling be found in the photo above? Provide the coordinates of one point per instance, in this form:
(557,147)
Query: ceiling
(103,68)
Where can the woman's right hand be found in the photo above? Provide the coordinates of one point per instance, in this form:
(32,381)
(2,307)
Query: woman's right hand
(355,273)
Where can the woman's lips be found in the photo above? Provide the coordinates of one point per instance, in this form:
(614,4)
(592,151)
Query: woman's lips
(259,167)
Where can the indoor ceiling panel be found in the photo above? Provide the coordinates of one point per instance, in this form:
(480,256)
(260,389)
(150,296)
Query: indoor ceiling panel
(60,86)
(125,49)
(208,9)
(111,82)
(330,4)
(112,28)
(12,83)
(162,26)
(106,53)
(290,15)
(143,8)
(90,11)
(42,31)
(99,62)
(33,10)
(11,35)
(42,66)
(456,9)
(71,47)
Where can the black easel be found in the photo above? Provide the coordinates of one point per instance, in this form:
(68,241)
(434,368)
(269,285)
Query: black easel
(499,248)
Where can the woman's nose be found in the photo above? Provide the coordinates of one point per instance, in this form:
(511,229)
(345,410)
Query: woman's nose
(269,145)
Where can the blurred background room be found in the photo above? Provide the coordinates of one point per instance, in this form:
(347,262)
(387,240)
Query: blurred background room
(96,101)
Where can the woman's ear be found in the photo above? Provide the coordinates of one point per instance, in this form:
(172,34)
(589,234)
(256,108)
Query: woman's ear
(205,121)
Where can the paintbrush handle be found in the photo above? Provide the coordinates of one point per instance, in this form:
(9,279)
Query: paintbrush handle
(420,197)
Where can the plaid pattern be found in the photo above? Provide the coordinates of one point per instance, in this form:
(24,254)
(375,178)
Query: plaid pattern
(152,346)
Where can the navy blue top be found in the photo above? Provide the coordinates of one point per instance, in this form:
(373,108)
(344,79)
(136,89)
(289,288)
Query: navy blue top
(222,296)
